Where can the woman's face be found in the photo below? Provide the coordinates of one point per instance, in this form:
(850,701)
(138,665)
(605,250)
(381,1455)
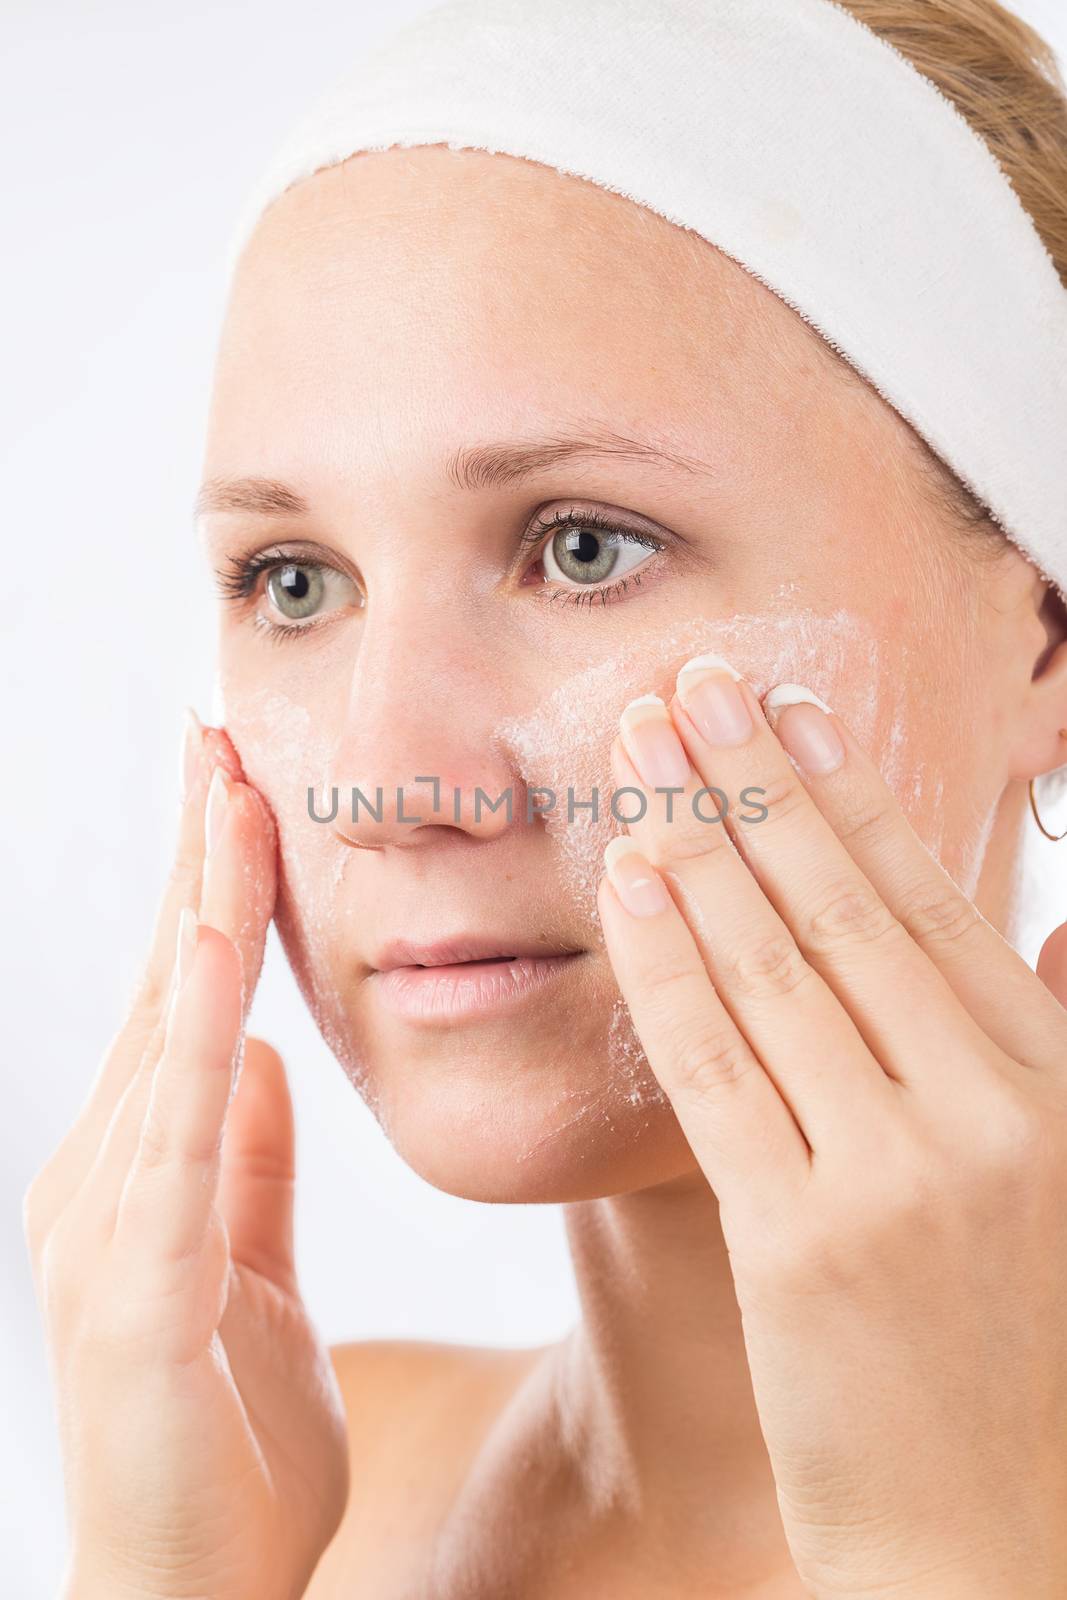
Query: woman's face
(415,342)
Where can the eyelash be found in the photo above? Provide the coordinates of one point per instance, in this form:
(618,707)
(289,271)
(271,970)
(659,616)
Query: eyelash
(239,578)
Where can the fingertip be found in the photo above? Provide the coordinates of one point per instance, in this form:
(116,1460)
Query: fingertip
(635,881)
(266,1081)
(607,899)
(264,1057)
(192,745)
(218,954)
(221,982)
(254,809)
(220,751)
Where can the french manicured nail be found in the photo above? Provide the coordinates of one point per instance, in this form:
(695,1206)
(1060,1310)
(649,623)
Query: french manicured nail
(708,687)
(639,887)
(192,744)
(802,722)
(652,743)
(218,795)
(183,961)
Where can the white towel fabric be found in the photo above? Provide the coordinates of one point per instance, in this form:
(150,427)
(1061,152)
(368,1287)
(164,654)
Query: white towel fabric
(806,148)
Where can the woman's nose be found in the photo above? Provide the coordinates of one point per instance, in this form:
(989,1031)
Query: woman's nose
(417,751)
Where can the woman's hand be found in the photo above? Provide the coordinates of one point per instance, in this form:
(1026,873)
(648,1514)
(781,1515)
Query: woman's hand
(875,1085)
(203,1433)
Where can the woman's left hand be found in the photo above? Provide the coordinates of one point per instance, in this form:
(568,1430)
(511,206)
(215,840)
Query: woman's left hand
(875,1086)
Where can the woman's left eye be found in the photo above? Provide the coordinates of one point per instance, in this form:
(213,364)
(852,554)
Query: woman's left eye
(585,551)
(299,591)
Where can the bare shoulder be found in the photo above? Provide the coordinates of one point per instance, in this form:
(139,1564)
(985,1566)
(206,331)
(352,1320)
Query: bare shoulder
(400,1392)
(417,1413)
(378,1374)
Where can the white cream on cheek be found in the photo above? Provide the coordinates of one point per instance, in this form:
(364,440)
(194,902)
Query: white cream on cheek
(284,753)
(565,743)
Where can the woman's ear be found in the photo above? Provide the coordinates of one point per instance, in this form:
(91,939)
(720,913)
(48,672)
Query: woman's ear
(1040,741)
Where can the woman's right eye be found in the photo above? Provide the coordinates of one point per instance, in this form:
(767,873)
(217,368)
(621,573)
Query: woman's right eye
(301,591)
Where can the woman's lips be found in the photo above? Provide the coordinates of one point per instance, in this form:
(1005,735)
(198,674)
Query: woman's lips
(447,992)
(460,948)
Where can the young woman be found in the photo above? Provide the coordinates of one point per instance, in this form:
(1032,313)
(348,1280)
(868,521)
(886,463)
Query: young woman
(514,486)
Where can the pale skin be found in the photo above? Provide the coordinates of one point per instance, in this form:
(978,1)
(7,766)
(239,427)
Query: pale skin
(823,1346)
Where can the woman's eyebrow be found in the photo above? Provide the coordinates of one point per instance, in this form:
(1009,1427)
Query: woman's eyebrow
(495,466)
(483,466)
(264,495)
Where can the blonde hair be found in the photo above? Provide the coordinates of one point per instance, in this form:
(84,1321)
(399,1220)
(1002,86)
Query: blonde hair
(1003,77)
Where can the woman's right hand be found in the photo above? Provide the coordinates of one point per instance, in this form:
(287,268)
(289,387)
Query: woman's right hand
(202,1429)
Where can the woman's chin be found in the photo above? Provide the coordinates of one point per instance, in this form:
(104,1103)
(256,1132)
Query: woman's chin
(513,1143)
(542,1096)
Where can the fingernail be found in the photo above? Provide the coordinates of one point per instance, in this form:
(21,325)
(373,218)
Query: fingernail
(708,687)
(183,961)
(218,795)
(653,744)
(806,732)
(192,743)
(640,888)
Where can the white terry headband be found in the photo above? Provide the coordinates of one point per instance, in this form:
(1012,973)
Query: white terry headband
(801,144)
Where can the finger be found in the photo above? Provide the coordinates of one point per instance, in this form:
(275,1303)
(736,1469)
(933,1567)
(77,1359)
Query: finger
(204,749)
(738,1126)
(169,1191)
(257,1179)
(795,1024)
(840,922)
(990,979)
(139,1039)
(237,893)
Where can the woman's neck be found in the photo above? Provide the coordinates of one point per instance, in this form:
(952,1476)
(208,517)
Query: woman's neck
(654,1394)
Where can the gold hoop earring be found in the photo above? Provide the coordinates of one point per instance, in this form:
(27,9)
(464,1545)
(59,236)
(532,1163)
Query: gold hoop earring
(1055,837)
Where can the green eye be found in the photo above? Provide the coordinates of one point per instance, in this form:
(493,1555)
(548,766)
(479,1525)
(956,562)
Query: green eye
(299,590)
(587,555)
(296,591)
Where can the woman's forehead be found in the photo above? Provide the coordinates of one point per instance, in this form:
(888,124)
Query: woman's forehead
(407,302)
(523,250)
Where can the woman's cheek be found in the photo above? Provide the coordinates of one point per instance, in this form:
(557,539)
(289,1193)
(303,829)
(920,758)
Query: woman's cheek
(564,745)
(284,754)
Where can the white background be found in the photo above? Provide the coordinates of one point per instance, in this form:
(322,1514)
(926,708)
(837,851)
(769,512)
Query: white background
(133,132)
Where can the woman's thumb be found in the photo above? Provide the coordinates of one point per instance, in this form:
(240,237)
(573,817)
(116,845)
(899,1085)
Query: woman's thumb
(257,1176)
